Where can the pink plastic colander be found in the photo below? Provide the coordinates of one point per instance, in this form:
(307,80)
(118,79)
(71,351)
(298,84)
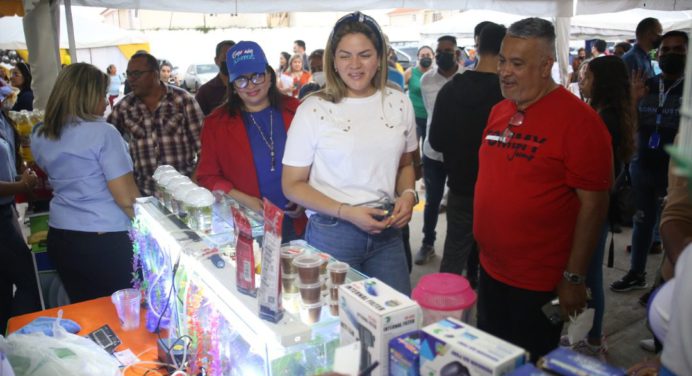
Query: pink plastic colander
(444,295)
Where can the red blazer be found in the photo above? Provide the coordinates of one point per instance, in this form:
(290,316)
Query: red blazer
(226,161)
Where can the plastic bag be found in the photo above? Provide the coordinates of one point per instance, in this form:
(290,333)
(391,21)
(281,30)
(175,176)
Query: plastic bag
(580,325)
(64,353)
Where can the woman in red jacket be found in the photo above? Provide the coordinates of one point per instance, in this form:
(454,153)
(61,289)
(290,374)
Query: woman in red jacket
(243,140)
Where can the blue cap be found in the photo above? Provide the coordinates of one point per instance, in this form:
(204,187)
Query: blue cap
(5,90)
(244,58)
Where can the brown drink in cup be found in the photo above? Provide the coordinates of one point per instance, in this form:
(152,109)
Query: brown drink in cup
(287,256)
(288,282)
(310,293)
(337,272)
(308,268)
(310,313)
(334,293)
(334,308)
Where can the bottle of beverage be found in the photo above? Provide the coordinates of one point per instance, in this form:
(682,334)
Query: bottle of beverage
(24,128)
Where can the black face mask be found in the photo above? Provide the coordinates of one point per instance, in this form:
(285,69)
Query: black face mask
(223,68)
(445,60)
(656,43)
(672,63)
(426,62)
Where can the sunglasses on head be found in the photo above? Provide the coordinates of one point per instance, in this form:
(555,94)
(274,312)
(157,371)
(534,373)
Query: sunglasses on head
(358,17)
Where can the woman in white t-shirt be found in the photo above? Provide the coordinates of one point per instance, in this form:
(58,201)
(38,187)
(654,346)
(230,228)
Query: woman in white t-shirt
(348,156)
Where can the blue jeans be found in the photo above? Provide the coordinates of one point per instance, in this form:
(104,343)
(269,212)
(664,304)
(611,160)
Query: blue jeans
(434,176)
(594,281)
(649,189)
(380,256)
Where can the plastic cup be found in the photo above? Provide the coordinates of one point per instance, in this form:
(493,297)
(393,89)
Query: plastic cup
(127,304)
(334,293)
(310,293)
(323,268)
(310,313)
(337,272)
(334,308)
(287,256)
(288,283)
(308,266)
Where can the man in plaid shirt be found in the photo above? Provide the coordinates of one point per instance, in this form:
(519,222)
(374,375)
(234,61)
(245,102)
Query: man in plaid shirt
(161,123)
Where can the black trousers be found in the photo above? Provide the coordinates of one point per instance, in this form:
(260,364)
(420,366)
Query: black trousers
(16,269)
(91,265)
(460,249)
(515,315)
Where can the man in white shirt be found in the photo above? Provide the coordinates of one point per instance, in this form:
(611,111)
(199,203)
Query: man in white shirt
(434,175)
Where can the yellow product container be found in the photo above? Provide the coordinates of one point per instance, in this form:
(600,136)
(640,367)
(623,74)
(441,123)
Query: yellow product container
(24,128)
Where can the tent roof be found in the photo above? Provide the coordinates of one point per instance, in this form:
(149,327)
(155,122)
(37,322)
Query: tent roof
(564,8)
(611,26)
(88,34)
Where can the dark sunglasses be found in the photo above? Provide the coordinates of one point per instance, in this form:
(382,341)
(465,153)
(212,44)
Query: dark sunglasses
(135,75)
(358,17)
(256,78)
(515,121)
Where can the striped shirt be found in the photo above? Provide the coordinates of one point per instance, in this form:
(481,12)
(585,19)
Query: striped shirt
(168,135)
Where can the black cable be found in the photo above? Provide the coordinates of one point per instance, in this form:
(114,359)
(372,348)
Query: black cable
(168,301)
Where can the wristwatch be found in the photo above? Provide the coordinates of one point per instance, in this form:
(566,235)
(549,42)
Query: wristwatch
(412,191)
(573,278)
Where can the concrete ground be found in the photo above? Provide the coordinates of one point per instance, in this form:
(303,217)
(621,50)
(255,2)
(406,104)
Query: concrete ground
(625,320)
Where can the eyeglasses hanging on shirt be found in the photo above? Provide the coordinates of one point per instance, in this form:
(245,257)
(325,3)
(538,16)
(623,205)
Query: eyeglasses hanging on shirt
(655,138)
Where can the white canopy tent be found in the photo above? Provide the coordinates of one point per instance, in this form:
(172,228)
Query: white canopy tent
(96,43)
(40,22)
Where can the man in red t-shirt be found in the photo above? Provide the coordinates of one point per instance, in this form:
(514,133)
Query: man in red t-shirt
(545,167)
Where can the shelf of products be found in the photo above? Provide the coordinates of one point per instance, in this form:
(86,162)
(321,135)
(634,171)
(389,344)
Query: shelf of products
(190,278)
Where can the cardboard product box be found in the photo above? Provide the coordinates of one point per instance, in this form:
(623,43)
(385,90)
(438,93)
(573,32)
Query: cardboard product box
(373,313)
(451,347)
(404,355)
(528,370)
(568,362)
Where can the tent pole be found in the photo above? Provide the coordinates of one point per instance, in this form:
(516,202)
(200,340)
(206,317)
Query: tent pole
(70,31)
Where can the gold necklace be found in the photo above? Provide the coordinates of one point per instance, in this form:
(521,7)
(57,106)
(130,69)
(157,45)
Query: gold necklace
(270,142)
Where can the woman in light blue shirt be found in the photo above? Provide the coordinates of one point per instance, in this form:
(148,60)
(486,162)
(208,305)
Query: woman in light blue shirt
(16,268)
(114,85)
(94,191)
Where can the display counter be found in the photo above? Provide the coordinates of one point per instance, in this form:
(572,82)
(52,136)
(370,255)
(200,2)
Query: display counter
(189,280)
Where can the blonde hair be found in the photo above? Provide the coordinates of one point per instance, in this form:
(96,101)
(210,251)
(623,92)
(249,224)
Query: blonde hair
(335,88)
(76,94)
(290,62)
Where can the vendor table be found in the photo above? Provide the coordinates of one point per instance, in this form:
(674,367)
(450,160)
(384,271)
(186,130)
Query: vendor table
(93,314)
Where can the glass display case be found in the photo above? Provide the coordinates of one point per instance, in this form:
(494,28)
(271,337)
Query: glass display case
(188,279)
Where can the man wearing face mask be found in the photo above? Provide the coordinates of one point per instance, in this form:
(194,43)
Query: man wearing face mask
(659,119)
(648,34)
(213,93)
(434,175)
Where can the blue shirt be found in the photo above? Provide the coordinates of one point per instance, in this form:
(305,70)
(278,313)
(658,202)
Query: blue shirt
(637,59)
(79,166)
(269,181)
(8,168)
(396,77)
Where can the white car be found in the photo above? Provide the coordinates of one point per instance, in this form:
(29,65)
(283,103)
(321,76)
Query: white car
(197,75)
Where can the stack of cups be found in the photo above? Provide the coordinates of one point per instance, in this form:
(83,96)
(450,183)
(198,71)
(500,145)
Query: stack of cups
(310,286)
(337,277)
(288,271)
(172,184)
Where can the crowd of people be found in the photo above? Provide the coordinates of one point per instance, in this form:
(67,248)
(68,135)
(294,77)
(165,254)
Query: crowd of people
(338,139)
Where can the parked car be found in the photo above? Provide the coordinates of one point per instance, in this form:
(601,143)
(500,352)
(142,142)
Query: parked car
(403,58)
(197,75)
(411,52)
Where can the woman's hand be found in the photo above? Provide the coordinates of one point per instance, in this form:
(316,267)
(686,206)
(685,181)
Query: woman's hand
(403,207)
(29,179)
(294,210)
(364,218)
